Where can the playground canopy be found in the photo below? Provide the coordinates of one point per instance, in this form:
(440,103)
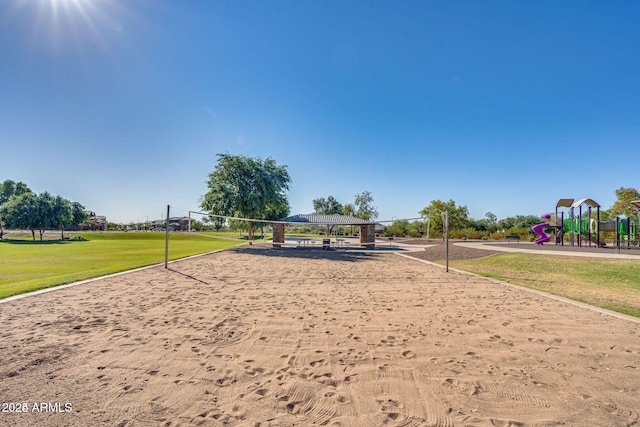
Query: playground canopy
(569,203)
(564,203)
(589,202)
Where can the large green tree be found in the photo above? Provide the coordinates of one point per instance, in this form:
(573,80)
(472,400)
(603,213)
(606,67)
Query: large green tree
(247,187)
(363,206)
(67,214)
(458,215)
(22,212)
(622,205)
(9,189)
(520,221)
(328,206)
(30,211)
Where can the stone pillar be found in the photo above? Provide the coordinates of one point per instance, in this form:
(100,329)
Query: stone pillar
(278,235)
(368,235)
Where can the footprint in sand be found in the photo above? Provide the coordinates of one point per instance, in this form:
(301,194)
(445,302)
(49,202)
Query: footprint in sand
(408,354)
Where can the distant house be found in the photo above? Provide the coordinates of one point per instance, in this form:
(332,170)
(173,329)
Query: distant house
(94,222)
(177,223)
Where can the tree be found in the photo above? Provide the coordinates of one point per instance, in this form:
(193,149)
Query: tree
(67,214)
(458,215)
(491,218)
(520,221)
(478,224)
(328,206)
(62,214)
(348,209)
(623,206)
(22,212)
(363,206)
(9,189)
(216,222)
(398,228)
(78,213)
(247,187)
(42,212)
(486,225)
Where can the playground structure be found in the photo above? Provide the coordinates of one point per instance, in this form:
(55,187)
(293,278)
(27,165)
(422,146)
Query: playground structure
(582,227)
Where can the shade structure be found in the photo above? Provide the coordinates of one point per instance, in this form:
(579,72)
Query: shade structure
(367,228)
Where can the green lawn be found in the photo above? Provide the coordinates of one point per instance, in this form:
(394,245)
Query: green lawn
(27,266)
(613,284)
(234,235)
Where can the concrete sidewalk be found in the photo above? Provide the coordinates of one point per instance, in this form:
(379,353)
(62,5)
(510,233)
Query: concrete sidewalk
(532,248)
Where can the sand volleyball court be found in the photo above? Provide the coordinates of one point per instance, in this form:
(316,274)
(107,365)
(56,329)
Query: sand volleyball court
(264,337)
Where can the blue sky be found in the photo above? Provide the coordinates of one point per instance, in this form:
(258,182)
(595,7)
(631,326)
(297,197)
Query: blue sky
(502,106)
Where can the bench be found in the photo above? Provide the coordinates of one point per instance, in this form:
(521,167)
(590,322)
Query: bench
(514,237)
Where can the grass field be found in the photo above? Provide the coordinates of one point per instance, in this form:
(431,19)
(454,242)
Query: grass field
(613,284)
(27,266)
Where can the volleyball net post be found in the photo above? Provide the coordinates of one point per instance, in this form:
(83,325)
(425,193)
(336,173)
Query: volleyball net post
(166,240)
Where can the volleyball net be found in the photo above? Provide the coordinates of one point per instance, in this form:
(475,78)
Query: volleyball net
(354,222)
(179,219)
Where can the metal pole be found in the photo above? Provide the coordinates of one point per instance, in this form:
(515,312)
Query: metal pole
(446,240)
(589,225)
(555,229)
(190,221)
(617,233)
(428,225)
(166,240)
(572,227)
(598,226)
(638,225)
(580,226)
(562,228)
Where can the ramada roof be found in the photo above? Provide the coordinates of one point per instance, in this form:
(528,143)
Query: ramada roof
(316,219)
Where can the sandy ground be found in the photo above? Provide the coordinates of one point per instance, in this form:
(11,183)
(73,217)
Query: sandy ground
(265,337)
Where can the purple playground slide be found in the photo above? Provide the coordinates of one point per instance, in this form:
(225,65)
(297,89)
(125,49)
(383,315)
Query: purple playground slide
(539,229)
(544,236)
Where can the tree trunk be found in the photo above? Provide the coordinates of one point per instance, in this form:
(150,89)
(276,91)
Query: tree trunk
(41,233)
(33,235)
(250,232)
(62,233)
